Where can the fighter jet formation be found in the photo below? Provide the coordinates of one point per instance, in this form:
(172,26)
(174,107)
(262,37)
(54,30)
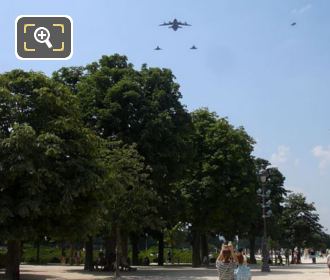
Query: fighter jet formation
(175,24)
(160,49)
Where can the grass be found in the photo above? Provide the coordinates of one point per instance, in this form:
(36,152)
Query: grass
(52,254)
(178,255)
(48,254)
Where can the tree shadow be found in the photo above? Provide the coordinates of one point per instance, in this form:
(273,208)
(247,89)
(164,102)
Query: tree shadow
(185,273)
(153,272)
(35,277)
(180,273)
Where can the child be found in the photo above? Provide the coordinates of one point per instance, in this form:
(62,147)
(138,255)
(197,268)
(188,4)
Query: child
(242,272)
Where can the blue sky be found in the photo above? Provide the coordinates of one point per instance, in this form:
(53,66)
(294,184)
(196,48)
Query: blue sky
(251,66)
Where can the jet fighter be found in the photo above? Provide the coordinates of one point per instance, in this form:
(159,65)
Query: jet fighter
(158,49)
(193,47)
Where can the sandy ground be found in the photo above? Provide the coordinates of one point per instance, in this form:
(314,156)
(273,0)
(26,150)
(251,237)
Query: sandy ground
(52,272)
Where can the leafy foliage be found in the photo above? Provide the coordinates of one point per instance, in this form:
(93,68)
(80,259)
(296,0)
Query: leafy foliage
(143,108)
(48,160)
(128,199)
(300,222)
(275,184)
(222,175)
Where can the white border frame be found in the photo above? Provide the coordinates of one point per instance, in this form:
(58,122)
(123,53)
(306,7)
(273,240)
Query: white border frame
(23,58)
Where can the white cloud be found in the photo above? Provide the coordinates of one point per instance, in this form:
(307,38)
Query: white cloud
(302,9)
(323,155)
(281,155)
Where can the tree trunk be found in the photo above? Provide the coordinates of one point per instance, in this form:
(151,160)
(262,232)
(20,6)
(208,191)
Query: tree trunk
(292,256)
(118,253)
(299,256)
(161,248)
(38,251)
(135,249)
(13,260)
(89,262)
(63,248)
(71,254)
(123,244)
(253,259)
(110,248)
(196,246)
(204,249)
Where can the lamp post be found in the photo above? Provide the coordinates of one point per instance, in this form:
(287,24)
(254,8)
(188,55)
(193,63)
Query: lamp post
(266,213)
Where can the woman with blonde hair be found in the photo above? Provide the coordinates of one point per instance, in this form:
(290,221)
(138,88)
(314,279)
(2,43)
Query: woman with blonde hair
(226,263)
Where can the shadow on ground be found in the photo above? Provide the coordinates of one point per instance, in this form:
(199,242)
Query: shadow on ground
(36,277)
(181,273)
(156,273)
(28,276)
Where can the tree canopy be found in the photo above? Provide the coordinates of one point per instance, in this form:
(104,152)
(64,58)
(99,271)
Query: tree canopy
(48,159)
(109,150)
(300,223)
(221,179)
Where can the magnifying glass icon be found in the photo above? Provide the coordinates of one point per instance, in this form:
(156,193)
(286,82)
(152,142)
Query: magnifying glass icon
(41,35)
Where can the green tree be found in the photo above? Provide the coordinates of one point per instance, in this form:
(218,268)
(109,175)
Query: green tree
(220,184)
(141,107)
(300,223)
(275,184)
(69,76)
(48,160)
(129,201)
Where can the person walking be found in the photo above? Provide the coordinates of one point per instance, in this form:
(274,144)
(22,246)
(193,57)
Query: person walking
(328,262)
(242,272)
(226,263)
(279,257)
(313,255)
